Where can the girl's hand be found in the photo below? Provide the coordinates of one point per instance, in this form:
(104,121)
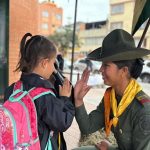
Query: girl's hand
(103,145)
(65,89)
(81,88)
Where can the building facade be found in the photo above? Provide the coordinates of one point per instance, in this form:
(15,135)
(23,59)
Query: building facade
(23,18)
(92,36)
(120,17)
(50,18)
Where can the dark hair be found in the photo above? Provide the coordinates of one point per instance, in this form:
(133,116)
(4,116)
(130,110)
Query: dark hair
(135,66)
(33,50)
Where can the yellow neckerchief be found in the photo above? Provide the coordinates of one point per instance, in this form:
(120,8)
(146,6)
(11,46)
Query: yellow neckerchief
(110,102)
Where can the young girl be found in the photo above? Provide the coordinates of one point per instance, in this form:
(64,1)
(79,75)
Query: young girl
(37,57)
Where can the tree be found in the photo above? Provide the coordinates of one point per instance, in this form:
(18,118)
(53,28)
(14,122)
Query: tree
(63,39)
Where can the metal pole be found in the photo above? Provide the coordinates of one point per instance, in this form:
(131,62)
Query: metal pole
(73,40)
(144,33)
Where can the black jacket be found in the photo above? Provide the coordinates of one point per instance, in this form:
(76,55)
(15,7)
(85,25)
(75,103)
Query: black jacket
(53,113)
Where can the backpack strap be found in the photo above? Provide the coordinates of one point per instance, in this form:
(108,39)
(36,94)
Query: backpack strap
(35,93)
(18,92)
(18,86)
(17,95)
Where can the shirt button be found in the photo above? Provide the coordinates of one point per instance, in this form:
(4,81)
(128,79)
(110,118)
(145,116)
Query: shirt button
(120,130)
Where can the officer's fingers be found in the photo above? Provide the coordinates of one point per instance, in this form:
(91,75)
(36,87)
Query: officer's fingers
(105,142)
(98,146)
(78,77)
(87,77)
(84,73)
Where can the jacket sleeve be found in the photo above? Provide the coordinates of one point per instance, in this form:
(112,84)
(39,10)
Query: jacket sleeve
(89,123)
(57,113)
(141,132)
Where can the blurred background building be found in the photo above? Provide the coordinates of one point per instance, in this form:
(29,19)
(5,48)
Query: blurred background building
(120,17)
(50,18)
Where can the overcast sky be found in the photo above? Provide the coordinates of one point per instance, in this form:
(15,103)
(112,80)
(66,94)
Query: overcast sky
(88,10)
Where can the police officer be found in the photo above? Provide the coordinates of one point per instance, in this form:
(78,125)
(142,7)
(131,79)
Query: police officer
(125,108)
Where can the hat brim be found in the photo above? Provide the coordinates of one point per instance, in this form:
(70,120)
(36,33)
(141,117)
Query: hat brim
(129,54)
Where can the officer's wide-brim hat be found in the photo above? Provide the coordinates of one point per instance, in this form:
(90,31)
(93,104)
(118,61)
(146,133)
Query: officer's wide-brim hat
(117,45)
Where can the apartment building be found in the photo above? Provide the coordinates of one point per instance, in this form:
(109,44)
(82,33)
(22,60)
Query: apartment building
(120,16)
(50,18)
(92,36)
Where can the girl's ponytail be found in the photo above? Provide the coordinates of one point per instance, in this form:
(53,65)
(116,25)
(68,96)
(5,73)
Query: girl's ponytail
(23,43)
(22,64)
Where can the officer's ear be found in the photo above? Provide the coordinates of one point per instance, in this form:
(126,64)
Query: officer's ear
(125,71)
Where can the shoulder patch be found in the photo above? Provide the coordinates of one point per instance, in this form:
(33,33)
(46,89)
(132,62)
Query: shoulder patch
(144,124)
(143,97)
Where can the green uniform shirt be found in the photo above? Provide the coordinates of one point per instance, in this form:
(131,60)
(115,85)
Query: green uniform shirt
(133,129)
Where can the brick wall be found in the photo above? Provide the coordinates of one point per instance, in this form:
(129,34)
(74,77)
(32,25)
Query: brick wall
(23,18)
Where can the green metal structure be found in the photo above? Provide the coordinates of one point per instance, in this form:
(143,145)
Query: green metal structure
(4,45)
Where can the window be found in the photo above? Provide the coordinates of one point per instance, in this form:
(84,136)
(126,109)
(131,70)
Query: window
(45,13)
(58,16)
(45,26)
(115,9)
(93,40)
(116,25)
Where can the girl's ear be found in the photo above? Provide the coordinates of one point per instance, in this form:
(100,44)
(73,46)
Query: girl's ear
(43,63)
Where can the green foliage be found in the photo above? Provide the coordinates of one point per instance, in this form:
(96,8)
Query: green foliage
(63,39)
